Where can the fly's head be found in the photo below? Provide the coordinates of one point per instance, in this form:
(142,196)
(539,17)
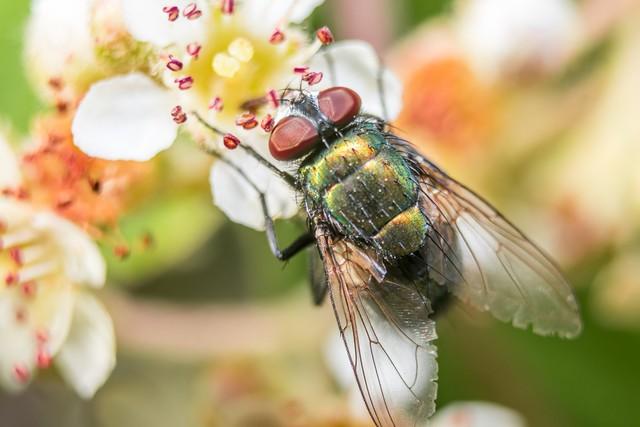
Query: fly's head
(306,119)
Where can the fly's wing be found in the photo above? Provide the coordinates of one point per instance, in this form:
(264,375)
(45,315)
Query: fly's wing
(491,265)
(387,332)
(317,276)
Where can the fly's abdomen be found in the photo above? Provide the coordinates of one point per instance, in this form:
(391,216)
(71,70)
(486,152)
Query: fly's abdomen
(367,188)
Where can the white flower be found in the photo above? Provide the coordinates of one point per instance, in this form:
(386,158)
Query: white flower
(45,315)
(521,37)
(476,414)
(59,48)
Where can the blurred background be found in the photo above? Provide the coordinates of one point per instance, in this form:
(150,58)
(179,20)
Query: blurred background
(535,107)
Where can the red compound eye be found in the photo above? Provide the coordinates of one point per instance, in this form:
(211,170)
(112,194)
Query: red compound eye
(339,104)
(292,138)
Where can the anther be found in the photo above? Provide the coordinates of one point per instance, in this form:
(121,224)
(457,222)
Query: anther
(192,12)
(193,49)
(277,36)
(247,121)
(216,104)
(184,83)
(122,252)
(230,141)
(313,77)
(273,98)
(29,289)
(228,7)
(11,278)
(179,116)
(16,255)
(303,69)
(43,359)
(267,123)
(172,12)
(324,35)
(174,64)
(21,373)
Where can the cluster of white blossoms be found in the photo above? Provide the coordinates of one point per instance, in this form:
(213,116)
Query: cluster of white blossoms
(47,316)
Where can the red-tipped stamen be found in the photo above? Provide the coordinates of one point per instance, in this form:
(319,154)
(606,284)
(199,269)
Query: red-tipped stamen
(29,289)
(11,278)
(230,141)
(303,69)
(192,12)
(16,255)
(172,12)
(228,6)
(174,64)
(216,104)
(184,83)
(179,116)
(325,35)
(267,123)
(193,49)
(122,252)
(273,98)
(21,373)
(313,77)
(277,36)
(44,359)
(247,121)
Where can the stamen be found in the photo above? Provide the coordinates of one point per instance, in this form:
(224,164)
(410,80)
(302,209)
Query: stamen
(11,278)
(225,65)
(37,271)
(184,83)
(247,121)
(179,116)
(172,12)
(267,123)
(29,289)
(193,49)
(276,37)
(216,104)
(42,336)
(174,64)
(30,254)
(301,69)
(43,359)
(21,315)
(228,7)
(230,141)
(273,98)
(17,238)
(16,255)
(148,241)
(21,373)
(192,12)
(122,252)
(324,35)
(241,49)
(313,77)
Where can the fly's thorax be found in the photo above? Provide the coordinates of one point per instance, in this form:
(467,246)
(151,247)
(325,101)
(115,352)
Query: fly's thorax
(368,190)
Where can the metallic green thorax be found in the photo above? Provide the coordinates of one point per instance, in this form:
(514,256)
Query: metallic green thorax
(367,188)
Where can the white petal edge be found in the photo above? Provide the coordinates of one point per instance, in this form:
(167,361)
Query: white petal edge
(476,414)
(147,22)
(125,118)
(83,262)
(267,15)
(9,168)
(356,65)
(239,200)
(88,355)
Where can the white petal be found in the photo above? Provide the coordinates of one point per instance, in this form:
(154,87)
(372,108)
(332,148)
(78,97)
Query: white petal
(88,355)
(506,36)
(58,40)
(239,201)
(476,414)
(125,118)
(147,22)
(9,168)
(356,65)
(83,262)
(270,14)
(17,345)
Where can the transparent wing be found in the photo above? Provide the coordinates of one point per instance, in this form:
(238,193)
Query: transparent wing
(387,332)
(490,264)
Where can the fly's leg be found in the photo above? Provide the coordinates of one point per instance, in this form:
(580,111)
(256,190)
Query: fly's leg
(282,254)
(286,177)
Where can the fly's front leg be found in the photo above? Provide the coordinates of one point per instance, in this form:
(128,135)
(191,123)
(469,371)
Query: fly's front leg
(287,253)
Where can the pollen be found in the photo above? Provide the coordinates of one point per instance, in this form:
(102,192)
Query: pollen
(241,49)
(225,65)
